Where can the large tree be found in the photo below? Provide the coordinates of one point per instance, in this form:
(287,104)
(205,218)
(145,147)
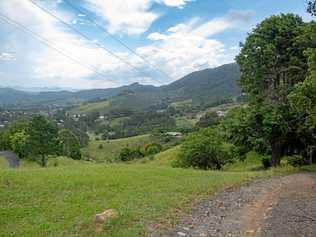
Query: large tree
(70,144)
(272,62)
(303,101)
(43,136)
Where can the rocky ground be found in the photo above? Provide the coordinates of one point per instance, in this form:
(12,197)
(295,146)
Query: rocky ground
(278,206)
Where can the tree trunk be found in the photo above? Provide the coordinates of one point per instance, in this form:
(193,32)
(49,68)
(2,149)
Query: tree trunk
(276,147)
(43,161)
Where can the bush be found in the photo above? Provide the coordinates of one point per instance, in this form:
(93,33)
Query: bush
(153,148)
(100,146)
(128,154)
(208,120)
(266,162)
(203,149)
(296,160)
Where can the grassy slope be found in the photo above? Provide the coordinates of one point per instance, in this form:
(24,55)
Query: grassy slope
(165,158)
(62,201)
(91,107)
(112,148)
(184,122)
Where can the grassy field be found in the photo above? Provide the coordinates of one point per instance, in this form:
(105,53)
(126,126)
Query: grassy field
(91,107)
(184,122)
(62,201)
(111,148)
(3,163)
(166,158)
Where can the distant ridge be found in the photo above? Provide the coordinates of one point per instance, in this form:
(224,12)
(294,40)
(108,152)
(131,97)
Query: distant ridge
(200,86)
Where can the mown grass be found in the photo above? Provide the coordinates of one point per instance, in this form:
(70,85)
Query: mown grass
(112,148)
(62,201)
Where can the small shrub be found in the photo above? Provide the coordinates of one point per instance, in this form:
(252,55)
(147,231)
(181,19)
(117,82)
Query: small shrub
(100,146)
(266,162)
(153,148)
(55,164)
(128,154)
(296,160)
(203,149)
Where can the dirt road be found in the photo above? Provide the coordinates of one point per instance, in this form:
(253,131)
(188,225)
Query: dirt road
(278,206)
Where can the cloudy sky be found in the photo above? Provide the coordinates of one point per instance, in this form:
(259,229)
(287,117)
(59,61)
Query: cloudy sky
(166,39)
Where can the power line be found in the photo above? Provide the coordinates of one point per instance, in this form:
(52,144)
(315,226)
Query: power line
(91,40)
(48,44)
(116,39)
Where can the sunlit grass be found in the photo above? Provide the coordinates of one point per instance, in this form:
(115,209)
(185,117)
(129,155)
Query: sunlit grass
(111,148)
(62,201)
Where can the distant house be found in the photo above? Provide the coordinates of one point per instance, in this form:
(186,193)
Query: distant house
(2,125)
(174,134)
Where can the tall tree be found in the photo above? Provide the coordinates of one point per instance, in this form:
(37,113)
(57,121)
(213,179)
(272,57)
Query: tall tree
(70,144)
(272,62)
(303,101)
(43,138)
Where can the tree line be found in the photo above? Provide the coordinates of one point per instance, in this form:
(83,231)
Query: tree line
(278,78)
(38,138)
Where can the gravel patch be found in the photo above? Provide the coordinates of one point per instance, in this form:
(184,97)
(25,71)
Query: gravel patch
(254,209)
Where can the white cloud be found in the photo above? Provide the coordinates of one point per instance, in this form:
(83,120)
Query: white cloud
(7,56)
(174,3)
(181,49)
(156,36)
(132,17)
(187,47)
(46,65)
(124,16)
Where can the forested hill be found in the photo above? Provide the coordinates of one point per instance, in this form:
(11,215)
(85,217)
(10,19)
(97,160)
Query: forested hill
(209,84)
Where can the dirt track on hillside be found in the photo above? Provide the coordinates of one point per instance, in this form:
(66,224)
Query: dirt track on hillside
(278,206)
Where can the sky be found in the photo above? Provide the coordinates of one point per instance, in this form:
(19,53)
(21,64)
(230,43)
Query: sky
(83,44)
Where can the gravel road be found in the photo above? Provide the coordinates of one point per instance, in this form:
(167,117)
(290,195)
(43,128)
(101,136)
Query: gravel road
(11,158)
(278,206)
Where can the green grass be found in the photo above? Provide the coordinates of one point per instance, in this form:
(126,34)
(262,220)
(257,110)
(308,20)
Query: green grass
(62,201)
(308,168)
(182,104)
(184,122)
(86,108)
(166,158)
(111,148)
(52,162)
(251,163)
(3,163)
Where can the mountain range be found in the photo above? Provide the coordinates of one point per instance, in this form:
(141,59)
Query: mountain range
(207,85)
